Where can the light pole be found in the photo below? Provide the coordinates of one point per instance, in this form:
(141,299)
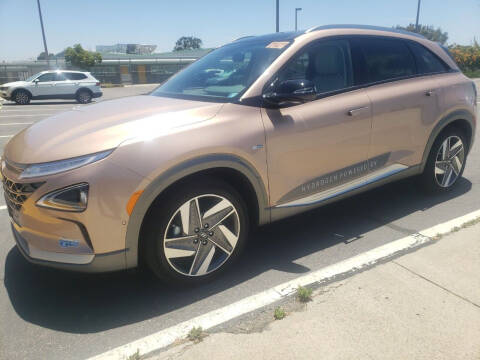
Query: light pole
(296,17)
(278,15)
(43,34)
(418,15)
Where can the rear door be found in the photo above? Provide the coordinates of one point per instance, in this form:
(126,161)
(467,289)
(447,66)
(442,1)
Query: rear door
(404,101)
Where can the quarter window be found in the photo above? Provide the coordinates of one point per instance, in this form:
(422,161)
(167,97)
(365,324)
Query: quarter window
(427,62)
(387,59)
(75,76)
(327,64)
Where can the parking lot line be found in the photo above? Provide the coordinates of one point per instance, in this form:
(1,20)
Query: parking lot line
(357,263)
(17,123)
(3,207)
(30,115)
(5,136)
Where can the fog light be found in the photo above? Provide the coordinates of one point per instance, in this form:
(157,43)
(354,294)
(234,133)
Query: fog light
(71,198)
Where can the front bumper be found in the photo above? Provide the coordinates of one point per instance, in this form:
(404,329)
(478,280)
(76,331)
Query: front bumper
(74,262)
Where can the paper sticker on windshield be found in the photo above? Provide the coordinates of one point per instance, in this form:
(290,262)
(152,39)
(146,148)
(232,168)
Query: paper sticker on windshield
(277,45)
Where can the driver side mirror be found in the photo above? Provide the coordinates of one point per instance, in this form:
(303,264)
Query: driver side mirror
(36,81)
(299,90)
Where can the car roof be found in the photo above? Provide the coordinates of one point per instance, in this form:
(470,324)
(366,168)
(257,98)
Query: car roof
(63,70)
(288,36)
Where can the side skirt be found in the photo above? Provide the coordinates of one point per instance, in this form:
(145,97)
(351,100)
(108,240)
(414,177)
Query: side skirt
(375,179)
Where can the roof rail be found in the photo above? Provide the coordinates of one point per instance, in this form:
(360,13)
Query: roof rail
(244,37)
(364,27)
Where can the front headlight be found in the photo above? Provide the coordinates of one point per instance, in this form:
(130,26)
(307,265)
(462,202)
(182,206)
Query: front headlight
(55,167)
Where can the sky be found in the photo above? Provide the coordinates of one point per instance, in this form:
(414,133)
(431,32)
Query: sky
(216,22)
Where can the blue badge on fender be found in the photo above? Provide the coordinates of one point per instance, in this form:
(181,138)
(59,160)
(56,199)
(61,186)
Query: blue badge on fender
(68,243)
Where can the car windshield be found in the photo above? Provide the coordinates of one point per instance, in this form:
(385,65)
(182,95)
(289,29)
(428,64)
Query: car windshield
(225,73)
(31,78)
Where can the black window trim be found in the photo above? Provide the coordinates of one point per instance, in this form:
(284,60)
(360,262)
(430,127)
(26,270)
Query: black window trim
(349,38)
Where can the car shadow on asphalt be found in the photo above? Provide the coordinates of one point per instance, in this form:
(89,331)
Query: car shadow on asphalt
(12,104)
(82,303)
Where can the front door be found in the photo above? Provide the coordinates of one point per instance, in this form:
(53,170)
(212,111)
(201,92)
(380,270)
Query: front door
(319,146)
(44,85)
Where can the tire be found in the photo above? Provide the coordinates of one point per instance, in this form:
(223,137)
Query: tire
(200,251)
(84,96)
(21,97)
(446,161)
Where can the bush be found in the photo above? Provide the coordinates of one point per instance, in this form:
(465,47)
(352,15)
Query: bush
(467,58)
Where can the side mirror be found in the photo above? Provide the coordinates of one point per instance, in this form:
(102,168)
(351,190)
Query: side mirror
(300,90)
(36,81)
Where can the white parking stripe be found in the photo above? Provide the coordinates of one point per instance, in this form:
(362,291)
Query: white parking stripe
(5,136)
(10,116)
(3,207)
(372,257)
(20,123)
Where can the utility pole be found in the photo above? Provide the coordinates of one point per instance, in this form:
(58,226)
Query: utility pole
(43,34)
(296,16)
(418,15)
(278,15)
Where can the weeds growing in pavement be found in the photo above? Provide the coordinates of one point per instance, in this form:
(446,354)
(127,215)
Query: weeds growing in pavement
(196,334)
(304,294)
(135,356)
(279,313)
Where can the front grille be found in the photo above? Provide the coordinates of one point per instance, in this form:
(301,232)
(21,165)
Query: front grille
(17,193)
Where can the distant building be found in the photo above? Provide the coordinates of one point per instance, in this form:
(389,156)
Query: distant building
(136,49)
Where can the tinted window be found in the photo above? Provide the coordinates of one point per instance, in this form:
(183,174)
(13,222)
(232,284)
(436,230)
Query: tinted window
(47,77)
(387,59)
(327,63)
(427,62)
(59,77)
(75,76)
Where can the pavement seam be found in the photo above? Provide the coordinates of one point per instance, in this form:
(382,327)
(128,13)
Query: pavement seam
(436,284)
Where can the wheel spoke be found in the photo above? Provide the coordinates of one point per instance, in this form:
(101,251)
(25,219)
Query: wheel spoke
(444,150)
(217,213)
(457,151)
(180,247)
(190,214)
(447,176)
(224,239)
(202,260)
(456,166)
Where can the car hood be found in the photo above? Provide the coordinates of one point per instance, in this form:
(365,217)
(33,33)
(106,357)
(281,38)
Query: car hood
(16,83)
(93,128)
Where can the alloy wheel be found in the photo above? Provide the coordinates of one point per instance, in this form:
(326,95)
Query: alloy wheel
(84,97)
(21,97)
(201,235)
(449,161)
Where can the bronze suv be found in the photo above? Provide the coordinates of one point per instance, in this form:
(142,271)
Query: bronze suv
(259,129)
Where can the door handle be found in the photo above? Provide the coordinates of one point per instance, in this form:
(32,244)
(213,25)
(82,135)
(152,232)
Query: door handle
(355,112)
(429,92)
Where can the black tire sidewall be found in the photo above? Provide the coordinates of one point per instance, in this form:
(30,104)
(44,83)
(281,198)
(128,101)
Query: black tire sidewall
(21,92)
(84,92)
(428,177)
(161,215)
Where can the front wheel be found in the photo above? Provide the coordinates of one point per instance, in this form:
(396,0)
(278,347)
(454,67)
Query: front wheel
(21,97)
(195,233)
(446,161)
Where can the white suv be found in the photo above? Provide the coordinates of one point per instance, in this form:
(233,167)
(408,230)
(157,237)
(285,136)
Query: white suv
(54,84)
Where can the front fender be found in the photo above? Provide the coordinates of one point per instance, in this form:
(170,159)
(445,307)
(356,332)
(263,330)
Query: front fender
(178,172)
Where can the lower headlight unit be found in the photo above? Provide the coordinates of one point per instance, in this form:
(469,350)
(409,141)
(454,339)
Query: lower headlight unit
(71,198)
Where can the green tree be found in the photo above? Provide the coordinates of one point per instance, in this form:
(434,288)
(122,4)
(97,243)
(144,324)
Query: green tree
(188,43)
(43,57)
(79,57)
(429,31)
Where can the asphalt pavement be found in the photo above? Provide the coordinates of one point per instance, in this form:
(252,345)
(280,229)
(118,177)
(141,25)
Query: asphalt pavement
(47,313)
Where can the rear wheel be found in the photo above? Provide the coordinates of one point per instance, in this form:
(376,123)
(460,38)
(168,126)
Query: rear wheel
(195,233)
(21,97)
(84,96)
(446,161)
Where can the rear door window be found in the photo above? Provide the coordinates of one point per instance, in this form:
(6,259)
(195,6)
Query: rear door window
(75,76)
(387,59)
(427,62)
